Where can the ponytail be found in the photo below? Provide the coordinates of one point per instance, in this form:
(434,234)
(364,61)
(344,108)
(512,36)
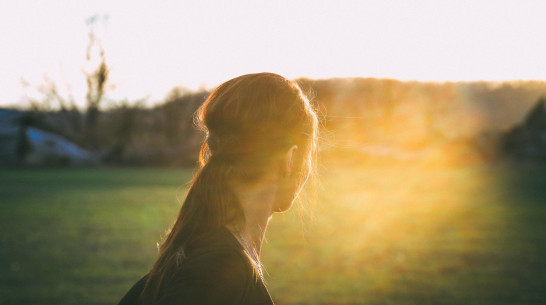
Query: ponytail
(209,204)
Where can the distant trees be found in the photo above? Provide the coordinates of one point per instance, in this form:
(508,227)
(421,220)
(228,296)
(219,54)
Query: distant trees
(464,120)
(527,140)
(177,112)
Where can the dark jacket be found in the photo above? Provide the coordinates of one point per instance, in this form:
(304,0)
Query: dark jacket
(216,271)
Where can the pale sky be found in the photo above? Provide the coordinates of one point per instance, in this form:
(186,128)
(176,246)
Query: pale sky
(153,46)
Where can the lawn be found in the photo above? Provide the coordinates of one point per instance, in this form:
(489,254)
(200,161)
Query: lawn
(373,235)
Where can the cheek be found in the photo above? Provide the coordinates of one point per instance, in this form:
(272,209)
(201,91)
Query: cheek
(291,188)
(298,186)
(307,174)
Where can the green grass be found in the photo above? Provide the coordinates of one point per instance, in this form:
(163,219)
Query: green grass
(375,235)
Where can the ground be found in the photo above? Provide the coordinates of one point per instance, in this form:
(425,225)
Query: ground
(366,235)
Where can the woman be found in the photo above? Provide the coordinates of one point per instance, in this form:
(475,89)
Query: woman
(260,141)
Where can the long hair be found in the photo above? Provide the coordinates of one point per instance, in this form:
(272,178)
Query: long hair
(250,122)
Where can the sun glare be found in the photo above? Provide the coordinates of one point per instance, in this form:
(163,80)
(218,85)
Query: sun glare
(151,49)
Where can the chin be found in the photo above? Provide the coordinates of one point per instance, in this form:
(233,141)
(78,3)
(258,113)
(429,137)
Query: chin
(285,199)
(285,206)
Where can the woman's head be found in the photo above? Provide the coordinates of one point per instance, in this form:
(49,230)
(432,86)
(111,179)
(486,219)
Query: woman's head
(252,121)
(255,125)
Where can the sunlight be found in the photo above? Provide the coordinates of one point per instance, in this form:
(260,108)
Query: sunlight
(153,48)
(388,228)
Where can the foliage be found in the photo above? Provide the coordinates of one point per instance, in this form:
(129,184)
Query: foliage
(461,121)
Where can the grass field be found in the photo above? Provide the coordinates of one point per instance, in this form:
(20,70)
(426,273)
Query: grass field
(394,235)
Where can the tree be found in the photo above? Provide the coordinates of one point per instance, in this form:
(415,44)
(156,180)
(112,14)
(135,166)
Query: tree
(96,81)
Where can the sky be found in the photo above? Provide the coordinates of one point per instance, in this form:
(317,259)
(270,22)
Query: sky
(153,46)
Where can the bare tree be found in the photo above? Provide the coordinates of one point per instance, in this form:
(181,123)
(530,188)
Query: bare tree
(96,81)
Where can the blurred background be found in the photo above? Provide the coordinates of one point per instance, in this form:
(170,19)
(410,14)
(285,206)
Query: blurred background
(432,164)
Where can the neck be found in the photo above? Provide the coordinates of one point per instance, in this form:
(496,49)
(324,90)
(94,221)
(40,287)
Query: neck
(257,204)
(254,232)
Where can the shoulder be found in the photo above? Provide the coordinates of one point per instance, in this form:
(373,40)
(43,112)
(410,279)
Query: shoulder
(215,271)
(132,297)
(217,250)
(217,263)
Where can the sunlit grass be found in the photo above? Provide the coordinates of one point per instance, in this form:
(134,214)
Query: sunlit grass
(403,235)
(379,235)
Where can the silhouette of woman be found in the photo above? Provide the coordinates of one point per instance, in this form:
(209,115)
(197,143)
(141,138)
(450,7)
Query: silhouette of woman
(258,153)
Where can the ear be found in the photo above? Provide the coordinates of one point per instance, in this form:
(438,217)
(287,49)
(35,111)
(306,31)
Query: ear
(289,158)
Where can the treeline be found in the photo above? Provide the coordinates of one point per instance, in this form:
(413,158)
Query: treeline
(365,117)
